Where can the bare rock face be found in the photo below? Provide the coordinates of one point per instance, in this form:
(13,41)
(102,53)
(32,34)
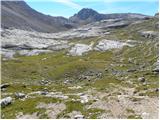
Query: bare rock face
(79,49)
(87,15)
(110,44)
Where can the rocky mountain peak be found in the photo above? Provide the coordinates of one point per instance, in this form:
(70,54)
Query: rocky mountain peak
(85,13)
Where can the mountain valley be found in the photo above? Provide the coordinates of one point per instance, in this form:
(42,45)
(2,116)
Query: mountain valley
(101,67)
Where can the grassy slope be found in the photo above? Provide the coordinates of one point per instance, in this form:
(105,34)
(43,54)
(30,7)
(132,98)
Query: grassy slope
(29,71)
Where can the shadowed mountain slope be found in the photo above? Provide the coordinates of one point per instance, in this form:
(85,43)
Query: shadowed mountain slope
(19,15)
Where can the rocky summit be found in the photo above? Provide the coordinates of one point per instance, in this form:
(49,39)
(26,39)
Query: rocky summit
(106,69)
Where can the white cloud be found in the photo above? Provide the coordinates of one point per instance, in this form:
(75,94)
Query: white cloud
(69,3)
(74,3)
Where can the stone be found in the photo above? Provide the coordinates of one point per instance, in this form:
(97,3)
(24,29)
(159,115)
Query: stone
(44,92)
(145,115)
(79,117)
(131,70)
(84,77)
(4,85)
(141,79)
(156,70)
(44,82)
(6,101)
(157,90)
(75,87)
(99,75)
(57,95)
(66,81)
(84,98)
(20,95)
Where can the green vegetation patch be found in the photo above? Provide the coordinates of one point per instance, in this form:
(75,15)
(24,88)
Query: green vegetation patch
(26,107)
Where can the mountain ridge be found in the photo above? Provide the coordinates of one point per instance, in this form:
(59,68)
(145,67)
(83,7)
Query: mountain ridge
(26,18)
(87,15)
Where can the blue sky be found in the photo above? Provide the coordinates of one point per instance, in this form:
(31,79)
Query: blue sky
(68,8)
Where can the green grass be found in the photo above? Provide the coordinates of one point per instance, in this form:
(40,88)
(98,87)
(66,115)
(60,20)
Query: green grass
(131,32)
(32,69)
(130,110)
(77,106)
(134,117)
(72,106)
(27,107)
(105,82)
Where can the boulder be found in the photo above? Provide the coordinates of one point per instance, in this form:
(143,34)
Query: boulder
(4,85)
(131,70)
(20,95)
(79,117)
(6,101)
(44,82)
(99,75)
(79,49)
(57,95)
(44,92)
(157,90)
(84,98)
(141,79)
(156,70)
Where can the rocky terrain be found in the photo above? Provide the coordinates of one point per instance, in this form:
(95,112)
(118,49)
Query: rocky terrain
(107,69)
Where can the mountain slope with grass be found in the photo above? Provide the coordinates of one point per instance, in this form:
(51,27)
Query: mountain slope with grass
(104,70)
